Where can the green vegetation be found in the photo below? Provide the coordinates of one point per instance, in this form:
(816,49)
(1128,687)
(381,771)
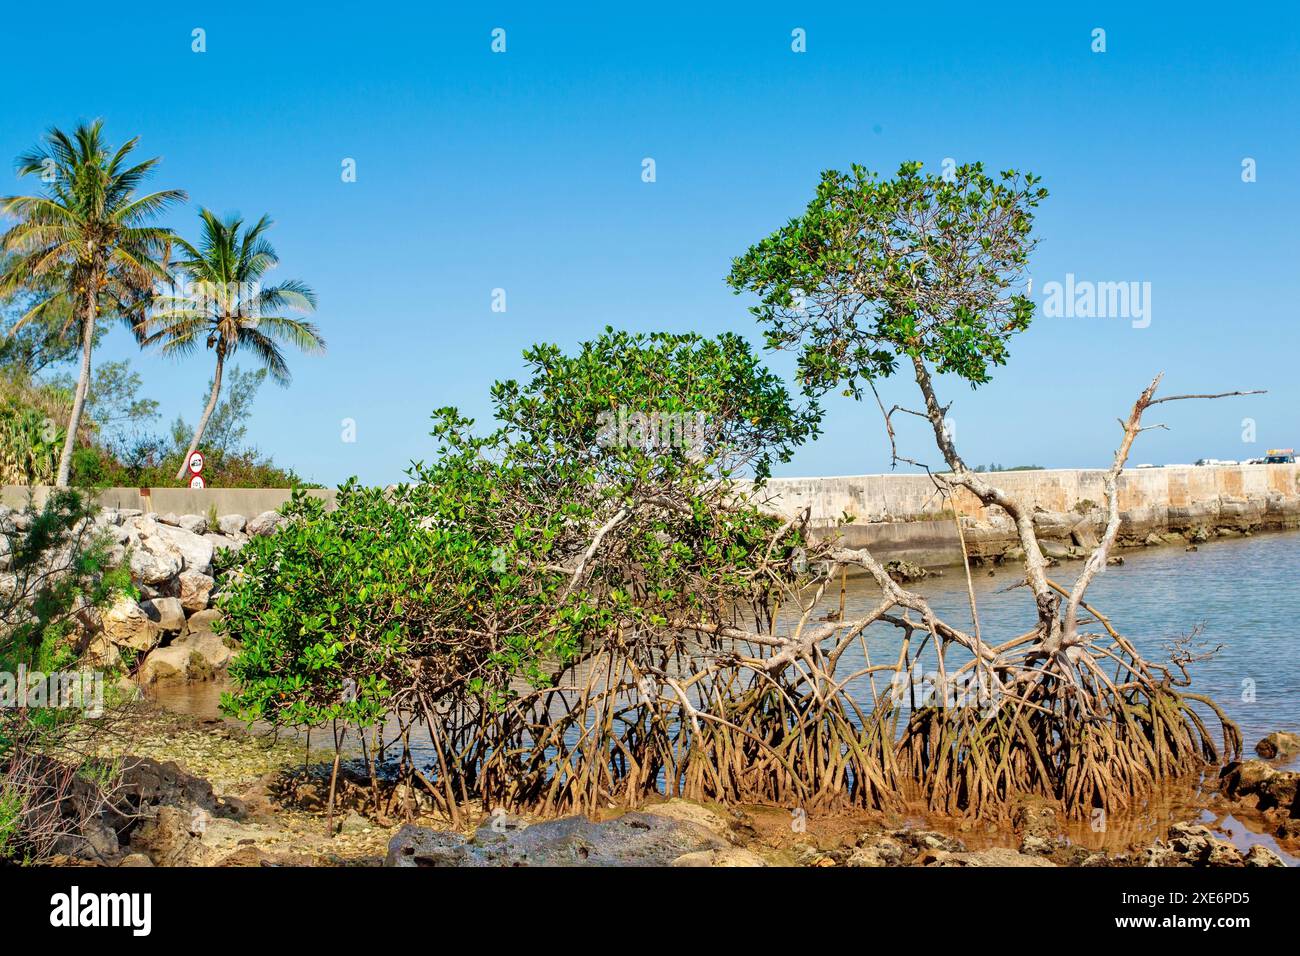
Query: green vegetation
(60,571)
(530,558)
(88,239)
(226,307)
(993,469)
(918,267)
(84,252)
(925,272)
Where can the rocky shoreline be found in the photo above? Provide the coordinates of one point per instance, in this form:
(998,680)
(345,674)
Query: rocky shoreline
(205,792)
(172,631)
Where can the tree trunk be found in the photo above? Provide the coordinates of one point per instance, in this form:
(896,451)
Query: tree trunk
(83,385)
(207,413)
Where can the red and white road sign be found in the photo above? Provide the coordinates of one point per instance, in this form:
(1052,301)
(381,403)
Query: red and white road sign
(195,463)
(197,481)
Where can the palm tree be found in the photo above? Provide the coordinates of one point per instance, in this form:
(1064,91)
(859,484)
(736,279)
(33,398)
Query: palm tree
(224,306)
(88,239)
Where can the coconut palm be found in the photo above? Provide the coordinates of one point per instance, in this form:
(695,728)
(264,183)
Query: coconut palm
(223,305)
(87,244)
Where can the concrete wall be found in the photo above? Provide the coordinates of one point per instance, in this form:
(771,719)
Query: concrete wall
(1153,501)
(182,501)
(1145,490)
(904,516)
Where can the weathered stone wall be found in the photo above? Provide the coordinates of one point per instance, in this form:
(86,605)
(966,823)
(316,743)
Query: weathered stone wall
(181,501)
(904,517)
(1156,505)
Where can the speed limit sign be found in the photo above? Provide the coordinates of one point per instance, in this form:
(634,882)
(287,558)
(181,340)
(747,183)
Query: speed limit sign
(195,463)
(196,481)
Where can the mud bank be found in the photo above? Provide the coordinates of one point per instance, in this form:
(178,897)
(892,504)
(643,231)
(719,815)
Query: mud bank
(214,794)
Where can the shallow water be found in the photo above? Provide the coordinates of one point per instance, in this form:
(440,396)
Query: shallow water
(1243,592)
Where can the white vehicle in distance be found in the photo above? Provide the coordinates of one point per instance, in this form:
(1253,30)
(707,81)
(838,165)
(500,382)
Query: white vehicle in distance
(1209,462)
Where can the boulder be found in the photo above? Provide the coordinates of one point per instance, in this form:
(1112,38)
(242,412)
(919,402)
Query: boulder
(263,524)
(203,621)
(127,625)
(152,567)
(166,612)
(194,550)
(146,782)
(633,839)
(101,652)
(213,651)
(1278,744)
(196,590)
(904,571)
(876,851)
(1084,536)
(166,839)
(232,524)
(194,524)
(1259,855)
(1246,777)
(1055,549)
(165,664)
(227,543)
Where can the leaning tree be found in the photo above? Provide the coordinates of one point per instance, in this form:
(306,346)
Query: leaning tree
(87,244)
(927,274)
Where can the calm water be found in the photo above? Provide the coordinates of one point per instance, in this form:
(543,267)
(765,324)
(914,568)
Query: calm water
(1243,592)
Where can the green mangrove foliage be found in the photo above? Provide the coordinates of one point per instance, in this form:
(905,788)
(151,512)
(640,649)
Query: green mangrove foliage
(929,273)
(594,601)
(549,599)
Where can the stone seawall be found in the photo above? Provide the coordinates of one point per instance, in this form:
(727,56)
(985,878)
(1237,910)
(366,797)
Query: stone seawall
(903,517)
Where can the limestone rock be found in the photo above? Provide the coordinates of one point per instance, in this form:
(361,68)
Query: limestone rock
(196,590)
(165,664)
(203,621)
(263,524)
(194,524)
(127,625)
(153,567)
(232,524)
(729,857)
(1278,744)
(166,612)
(209,647)
(194,550)
(994,856)
(1259,855)
(633,839)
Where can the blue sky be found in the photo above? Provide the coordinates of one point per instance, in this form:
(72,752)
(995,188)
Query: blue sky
(522,171)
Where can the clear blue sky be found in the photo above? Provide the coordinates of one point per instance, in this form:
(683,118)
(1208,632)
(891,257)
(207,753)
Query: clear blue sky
(522,171)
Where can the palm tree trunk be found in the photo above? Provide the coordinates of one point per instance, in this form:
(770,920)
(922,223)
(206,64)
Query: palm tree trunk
(207,413)
(83,386)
